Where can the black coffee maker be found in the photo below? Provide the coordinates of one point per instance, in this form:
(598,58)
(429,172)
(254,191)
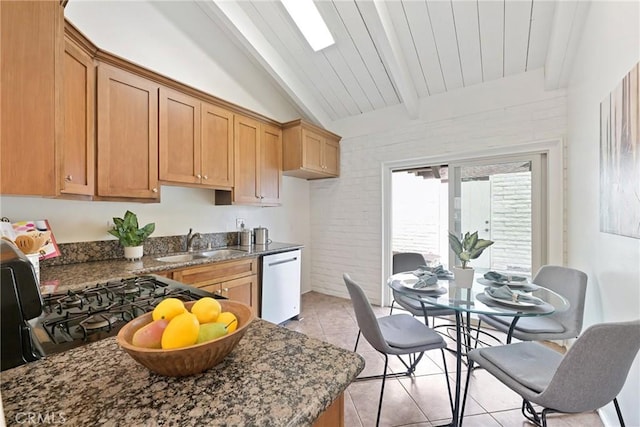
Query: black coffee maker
(20,301)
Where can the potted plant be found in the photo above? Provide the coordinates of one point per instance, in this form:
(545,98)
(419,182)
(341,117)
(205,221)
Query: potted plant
(468,248)
(130,236)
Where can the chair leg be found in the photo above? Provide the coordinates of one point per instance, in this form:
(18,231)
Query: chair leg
(446,375)
(391,310)
(357,340)
(615,403)
(529,413)
(466,389)
(384,377)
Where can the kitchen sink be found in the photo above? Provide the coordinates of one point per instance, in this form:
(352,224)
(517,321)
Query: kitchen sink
(180,258)
(220,253)
(213,253)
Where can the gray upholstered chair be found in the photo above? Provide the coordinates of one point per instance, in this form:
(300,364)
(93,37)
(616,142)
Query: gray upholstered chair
(398,334)
(568,282)
(409,261)
(589,376)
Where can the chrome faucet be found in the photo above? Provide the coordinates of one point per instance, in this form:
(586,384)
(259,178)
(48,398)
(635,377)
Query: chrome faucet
(190,238)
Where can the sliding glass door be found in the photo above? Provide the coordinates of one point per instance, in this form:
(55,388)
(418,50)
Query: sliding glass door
(503,199)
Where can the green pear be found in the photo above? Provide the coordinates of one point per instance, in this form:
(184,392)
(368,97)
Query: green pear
(211,331)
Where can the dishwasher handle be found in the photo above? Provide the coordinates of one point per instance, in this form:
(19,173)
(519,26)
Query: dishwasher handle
(284,261)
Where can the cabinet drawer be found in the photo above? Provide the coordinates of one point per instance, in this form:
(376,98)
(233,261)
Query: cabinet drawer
(216,273)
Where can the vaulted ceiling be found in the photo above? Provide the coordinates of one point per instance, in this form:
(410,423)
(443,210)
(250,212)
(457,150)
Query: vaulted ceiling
(391,52)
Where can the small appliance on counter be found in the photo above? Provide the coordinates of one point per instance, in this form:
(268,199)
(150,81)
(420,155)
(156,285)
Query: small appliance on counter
(34,325)
(20,301)
(261,236)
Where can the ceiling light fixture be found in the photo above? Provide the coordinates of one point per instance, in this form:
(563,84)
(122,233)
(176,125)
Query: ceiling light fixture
(306,16)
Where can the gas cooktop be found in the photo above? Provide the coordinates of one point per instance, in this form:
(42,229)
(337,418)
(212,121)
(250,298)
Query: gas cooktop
(74,318)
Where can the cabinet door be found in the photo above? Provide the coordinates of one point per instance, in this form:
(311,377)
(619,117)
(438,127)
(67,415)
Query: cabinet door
(312,147)
(243,290)
(78,142)
(127,134)
(31,50)
(246,186)
(179,136)
(271,165)
(331,158)
(217,146)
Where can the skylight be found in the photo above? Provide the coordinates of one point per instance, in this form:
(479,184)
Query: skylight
(306,16)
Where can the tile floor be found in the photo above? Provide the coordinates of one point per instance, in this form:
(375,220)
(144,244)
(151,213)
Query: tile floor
(412,401)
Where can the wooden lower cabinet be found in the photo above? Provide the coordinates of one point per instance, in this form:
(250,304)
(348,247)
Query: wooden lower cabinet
(236,280)
(333,416)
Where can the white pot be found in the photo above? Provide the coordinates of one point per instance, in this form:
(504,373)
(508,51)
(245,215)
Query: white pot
(133,252)
(463,276)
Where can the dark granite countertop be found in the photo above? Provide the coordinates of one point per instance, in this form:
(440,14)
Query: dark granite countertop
(274,377)
(74,276)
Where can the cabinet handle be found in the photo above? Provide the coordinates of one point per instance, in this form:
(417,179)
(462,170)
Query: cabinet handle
(205,177)
(198,176)
(155,190)
(68,178)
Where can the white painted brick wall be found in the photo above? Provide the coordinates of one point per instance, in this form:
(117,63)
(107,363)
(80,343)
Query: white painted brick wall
(346,212)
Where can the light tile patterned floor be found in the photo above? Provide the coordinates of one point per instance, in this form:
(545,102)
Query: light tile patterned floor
(412,401)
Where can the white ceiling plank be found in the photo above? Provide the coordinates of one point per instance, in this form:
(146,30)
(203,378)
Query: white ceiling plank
(315,64)
(491,14)
(441,15)
(322,97)
(348,80)
(238,24)
(516,36)
(360,34)
(350,54)
(540,33)
(399,19)
(420,27)
(389,46)
(566,31)
(465,15)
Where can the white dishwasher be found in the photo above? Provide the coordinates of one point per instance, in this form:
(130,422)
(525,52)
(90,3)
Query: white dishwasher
(281,286)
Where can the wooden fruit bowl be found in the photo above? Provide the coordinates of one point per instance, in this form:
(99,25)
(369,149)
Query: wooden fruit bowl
(181,362)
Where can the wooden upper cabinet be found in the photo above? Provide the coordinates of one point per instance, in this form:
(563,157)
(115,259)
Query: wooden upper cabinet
(271,165)
(258,163)
(127,135)
(196,141)
(217,146)
(246,146)
(77,160)
(179,137)
(309,151)
(31,52)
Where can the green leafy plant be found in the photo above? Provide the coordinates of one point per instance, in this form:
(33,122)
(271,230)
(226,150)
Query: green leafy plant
(469,247)
(127,231)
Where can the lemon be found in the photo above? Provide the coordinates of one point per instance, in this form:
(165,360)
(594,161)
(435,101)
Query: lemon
(168,308)
(182,331)
(229,319)
(206,310)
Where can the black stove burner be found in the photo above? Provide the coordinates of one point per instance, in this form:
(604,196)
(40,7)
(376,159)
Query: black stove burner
(74,318)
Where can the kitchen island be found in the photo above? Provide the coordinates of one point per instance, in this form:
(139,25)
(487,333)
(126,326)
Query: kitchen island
(274,377)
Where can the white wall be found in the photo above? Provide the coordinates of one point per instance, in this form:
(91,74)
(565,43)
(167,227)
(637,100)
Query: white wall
(346,213)
(176,39)
(609,48)
(141,32)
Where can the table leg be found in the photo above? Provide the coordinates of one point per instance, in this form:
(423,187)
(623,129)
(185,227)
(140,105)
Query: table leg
(511,328)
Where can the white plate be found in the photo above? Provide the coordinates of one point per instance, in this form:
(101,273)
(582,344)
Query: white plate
(511,303)
(487,282)
(409,282)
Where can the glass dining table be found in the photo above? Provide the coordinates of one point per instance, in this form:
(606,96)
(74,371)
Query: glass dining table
(481,298)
